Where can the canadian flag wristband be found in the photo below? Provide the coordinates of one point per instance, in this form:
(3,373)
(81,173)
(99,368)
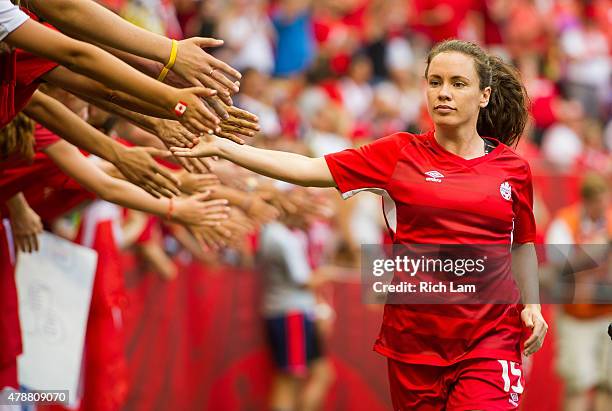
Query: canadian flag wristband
(180,108)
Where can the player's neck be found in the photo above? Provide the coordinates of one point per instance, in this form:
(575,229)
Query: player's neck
(465,143)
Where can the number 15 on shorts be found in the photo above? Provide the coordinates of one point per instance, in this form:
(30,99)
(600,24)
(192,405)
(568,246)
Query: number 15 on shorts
(509,370)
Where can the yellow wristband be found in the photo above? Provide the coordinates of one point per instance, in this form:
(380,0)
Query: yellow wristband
(170,63)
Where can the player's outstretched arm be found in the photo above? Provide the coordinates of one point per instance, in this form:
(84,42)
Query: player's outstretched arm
(280,165)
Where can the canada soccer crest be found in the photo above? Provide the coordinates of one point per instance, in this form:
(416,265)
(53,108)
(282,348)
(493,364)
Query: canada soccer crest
(506,190)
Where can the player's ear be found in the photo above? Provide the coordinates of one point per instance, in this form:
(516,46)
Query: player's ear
(484,97)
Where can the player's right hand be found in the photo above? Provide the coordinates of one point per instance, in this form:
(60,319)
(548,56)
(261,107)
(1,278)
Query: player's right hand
(204,148)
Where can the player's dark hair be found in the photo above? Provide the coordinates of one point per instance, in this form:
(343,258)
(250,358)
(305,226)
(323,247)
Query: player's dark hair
(506,114)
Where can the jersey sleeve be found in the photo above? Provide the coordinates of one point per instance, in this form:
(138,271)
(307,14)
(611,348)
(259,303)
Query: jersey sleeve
(365,168)
(524,220)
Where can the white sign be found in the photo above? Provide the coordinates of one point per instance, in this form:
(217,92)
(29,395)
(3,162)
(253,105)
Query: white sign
(54,287)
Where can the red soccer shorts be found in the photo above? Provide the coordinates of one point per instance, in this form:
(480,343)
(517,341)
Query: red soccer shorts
(476,384)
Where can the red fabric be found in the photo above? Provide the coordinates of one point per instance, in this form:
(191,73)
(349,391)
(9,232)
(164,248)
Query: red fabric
(526,30)
(296,339)
(149,229)
(544,391)
(19,74)
(468,385)
(398,163)
(447,29)
(41,178)
(465,206)
(10,332)
(31,67)
(15,176)
(105,369)
(57,197)
(105,374)
(543,96)
(40,181)
(43,138)
(326,30)
(492,31)
(331,88)
(8,65)
(114,5)
(215,357)
(8,375)
(48,191)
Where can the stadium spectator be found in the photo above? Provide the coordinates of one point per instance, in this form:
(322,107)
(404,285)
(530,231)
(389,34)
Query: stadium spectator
(303,373)
(255,97)
(589,65)
(248,35)
(355,88)
(295,43)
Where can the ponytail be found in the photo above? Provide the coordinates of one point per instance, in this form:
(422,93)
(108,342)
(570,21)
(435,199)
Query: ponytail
(506,114)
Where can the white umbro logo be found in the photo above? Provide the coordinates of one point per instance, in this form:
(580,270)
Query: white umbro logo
(434,176)
(506,190)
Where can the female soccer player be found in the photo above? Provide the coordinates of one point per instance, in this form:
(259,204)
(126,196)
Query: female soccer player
(455,184)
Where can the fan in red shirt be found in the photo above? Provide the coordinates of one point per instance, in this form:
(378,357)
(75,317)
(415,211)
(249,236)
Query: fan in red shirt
(18,82)
(459,184)
(441,19)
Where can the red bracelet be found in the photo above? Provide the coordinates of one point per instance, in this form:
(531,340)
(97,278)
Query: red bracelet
(180,108)
(170,209)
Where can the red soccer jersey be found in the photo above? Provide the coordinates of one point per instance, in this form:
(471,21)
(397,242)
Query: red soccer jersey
(432,196)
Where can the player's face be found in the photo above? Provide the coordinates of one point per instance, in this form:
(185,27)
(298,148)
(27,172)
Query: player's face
(454,96)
